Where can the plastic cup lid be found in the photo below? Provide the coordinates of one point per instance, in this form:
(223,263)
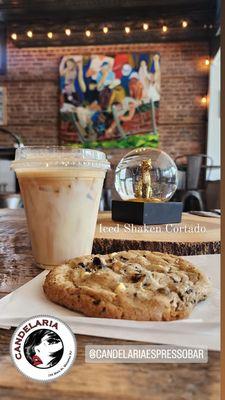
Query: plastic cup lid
(59,156)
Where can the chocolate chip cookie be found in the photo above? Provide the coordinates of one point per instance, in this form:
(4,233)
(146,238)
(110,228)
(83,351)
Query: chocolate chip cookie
(136,285)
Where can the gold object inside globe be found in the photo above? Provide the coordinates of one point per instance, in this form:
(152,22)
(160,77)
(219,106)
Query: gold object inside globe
(143,186)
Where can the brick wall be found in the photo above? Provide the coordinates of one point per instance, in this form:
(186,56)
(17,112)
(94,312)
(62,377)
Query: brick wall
(32,92)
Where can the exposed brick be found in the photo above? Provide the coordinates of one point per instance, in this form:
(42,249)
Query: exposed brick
(33,92)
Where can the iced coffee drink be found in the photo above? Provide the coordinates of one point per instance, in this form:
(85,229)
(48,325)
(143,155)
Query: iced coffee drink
(61,191)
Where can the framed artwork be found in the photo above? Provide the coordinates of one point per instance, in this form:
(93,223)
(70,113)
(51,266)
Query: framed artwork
(3,110)
(110,101)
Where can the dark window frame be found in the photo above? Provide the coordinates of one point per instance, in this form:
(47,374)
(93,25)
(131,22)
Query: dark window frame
(2,50)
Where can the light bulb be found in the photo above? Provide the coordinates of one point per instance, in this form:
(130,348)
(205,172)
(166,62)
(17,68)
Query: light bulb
(50,35)
(164,28)
(14,36)
(184,24)
(105,29)
(145,26)
(127,29)
(30,34)
(68,32)
(88,33)
(207,62)
(204,100)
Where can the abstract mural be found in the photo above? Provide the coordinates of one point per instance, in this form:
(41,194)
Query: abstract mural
(110,101)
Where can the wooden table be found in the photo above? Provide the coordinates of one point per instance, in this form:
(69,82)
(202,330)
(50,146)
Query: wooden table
(194,235)
(90,381)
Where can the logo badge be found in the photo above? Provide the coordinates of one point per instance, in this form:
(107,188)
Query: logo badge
(43,348)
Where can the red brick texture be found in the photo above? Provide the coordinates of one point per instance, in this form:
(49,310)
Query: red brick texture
(33,92)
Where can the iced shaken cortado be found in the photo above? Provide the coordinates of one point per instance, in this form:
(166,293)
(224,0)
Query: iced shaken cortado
(61,189)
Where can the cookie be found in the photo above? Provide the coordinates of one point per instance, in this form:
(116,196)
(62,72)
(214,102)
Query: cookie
(134,285)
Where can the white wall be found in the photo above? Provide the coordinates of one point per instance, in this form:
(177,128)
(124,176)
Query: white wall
(213,144)
(7,176)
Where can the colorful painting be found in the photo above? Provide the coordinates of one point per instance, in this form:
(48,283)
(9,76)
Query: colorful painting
(110,101)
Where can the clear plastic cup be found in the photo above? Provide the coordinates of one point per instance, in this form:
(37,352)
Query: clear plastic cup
(61,189)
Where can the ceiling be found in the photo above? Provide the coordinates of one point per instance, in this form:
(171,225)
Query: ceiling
(39,10)
(42,15)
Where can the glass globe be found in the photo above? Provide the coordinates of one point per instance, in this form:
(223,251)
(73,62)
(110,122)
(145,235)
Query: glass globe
(146,174)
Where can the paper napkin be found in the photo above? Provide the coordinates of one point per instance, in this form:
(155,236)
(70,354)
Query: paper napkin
(202,328)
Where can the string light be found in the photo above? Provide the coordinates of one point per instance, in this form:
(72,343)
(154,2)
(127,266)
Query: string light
(145,26)
(207,62)
(30,34)
(204,100)
(184,24)
(68,32)
(127,29)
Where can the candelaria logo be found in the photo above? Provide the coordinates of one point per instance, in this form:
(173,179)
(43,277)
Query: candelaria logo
(43,348)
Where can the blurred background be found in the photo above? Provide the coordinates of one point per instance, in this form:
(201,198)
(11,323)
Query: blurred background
(179,40)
